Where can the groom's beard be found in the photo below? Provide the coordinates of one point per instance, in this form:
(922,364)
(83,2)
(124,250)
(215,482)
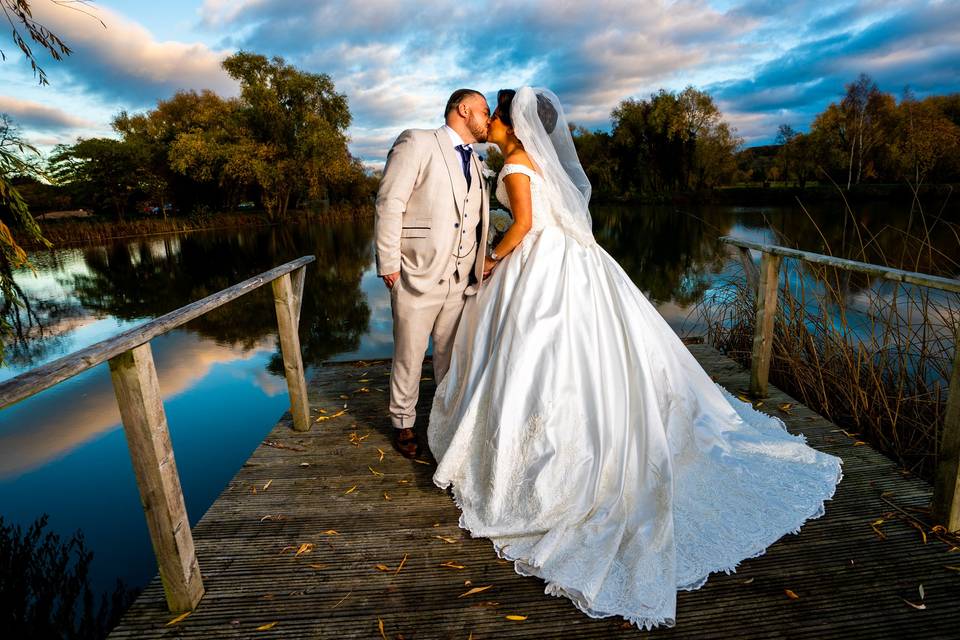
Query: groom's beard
(478,131)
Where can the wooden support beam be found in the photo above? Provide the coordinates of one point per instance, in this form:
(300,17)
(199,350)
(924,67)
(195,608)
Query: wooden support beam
(287,303)
(763,325)
(298,278)
(145,424)
(946,488)
(749,269)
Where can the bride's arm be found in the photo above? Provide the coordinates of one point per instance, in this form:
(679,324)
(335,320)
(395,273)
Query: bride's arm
(518,190)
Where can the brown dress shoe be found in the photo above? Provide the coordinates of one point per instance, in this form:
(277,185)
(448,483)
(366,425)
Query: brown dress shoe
(405,441)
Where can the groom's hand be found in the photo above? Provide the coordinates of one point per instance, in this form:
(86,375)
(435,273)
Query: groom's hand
(488,266)
(390,279)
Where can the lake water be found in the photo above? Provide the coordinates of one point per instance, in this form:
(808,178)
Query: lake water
(63,452)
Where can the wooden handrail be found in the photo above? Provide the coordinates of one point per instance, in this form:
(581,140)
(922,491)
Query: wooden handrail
(888,273)
(946,487)
(137,390)
(52,373)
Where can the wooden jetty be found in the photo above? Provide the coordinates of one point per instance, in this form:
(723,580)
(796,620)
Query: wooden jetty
(329,533)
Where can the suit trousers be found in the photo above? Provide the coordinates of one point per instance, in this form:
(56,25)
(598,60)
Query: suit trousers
(417,317)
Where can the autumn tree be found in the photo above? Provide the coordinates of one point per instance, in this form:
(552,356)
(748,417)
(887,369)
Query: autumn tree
(925,137)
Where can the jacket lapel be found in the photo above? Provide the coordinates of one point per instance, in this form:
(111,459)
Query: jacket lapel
(454,168)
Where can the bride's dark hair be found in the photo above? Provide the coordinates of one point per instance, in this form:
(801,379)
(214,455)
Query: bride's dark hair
(545,109)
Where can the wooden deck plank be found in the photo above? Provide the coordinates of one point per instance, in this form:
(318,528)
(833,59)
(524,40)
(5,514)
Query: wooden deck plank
(851,583)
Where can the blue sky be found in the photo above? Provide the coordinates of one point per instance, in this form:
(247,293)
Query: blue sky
(766,62)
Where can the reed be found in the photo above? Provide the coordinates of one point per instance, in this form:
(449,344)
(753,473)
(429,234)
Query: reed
(873,357)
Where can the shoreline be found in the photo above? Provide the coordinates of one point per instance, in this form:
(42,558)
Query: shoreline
(74,232)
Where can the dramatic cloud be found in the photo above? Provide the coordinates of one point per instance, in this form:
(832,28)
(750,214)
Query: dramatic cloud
(40,117)
(767,62)
(124,62)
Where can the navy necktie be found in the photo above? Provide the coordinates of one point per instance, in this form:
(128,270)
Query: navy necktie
(465,161)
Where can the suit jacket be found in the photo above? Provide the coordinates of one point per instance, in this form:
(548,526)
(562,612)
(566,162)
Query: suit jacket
(422,194)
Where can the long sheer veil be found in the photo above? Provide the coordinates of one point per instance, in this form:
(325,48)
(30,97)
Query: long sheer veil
(539,123)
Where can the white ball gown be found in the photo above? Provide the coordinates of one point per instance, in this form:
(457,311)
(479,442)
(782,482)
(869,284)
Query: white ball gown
(584,440)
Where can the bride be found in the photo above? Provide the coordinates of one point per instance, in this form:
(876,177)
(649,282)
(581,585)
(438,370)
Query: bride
(577,432)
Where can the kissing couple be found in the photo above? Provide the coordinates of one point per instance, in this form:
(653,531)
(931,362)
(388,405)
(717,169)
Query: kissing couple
(575,429)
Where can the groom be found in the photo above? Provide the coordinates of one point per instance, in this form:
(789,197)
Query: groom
(431,230)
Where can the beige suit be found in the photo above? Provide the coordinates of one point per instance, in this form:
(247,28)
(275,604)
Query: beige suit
(432,229)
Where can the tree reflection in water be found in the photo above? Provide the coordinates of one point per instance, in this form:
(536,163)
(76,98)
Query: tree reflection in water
(152,277)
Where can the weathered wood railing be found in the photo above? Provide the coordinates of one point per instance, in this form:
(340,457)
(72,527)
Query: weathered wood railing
(765,281)
(144,420)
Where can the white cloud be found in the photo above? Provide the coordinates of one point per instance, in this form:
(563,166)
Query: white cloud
(125,61)
(38,116)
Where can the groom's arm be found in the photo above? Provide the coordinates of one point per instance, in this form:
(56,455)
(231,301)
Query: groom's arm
(399,177)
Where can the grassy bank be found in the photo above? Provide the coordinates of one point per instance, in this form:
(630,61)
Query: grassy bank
(95,230)
(874,359)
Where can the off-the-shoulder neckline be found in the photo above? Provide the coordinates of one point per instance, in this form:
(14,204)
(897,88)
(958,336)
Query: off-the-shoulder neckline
(524,167)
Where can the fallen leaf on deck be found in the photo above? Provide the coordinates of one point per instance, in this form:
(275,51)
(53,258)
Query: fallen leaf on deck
(380,626)
(920,589)
(402,481)
(758,403)
(402,562)
(743,398)
(364,380)
(341,600)
(381,454)
(436,524)
(332,415)
(304,464)
(179,618)
(350,490)
(859,443)
(331,532)
(791,594)
(946,566)
(475,590)
(374,471)
(450,564)
(271,516)
(318,566)
(386,496)
(915,606)
(421,461)
(362,390)
(253,490)
(306,547)
(748,581)
(343,397)
(268,626)
(267,486)
(383,567)
(447,540)
(785,407)
(517,618)
(848,434)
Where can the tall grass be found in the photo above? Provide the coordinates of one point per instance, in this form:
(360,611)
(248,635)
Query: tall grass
(874,357)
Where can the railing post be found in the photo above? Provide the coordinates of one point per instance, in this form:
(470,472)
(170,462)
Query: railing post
(148,438)
(763,329)
(749,269)
(287,297)
(946,490)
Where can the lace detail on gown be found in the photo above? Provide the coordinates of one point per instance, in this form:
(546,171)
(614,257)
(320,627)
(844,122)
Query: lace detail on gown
(585,441)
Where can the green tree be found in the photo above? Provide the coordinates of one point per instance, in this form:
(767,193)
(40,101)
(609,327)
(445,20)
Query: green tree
(286,134)
(672,142)
(102,173)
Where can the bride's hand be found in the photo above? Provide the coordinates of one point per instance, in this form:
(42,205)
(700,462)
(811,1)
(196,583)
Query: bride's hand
(488,266)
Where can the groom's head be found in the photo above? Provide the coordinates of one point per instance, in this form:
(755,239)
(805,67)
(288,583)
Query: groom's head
(467,113)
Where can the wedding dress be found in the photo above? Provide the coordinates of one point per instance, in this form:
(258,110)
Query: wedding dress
(581,436)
